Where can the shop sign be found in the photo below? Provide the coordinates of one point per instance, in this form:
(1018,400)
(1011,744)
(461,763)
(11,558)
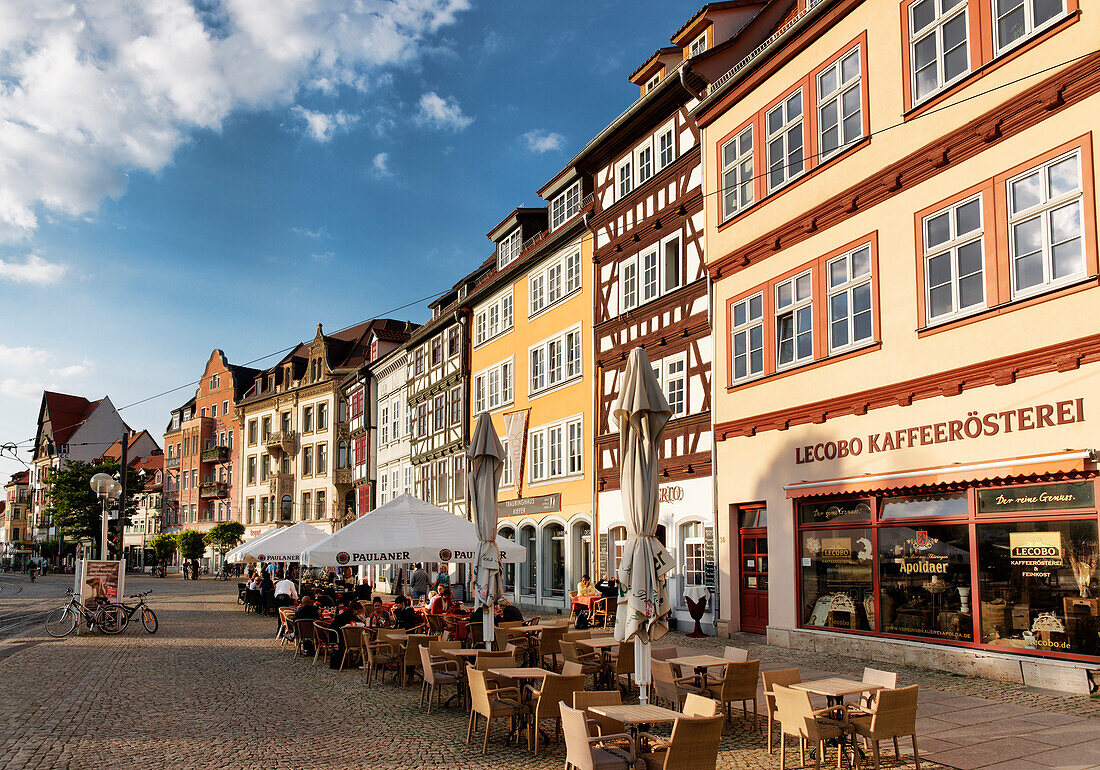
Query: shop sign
(973,425)
(526,506)
(1047,497)
(836,549)
(1034,551)
(670,493)
(919,556)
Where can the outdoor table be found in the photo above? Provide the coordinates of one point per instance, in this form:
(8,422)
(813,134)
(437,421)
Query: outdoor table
(523,676)
(637,718)
(532,633)
(586,602)
(602,645)
(700,663)
(835,689)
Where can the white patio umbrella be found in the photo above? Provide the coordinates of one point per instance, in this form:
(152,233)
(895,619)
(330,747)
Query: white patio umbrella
(642,412)
(486,462)
(285,545)
(405,530)
(233,555)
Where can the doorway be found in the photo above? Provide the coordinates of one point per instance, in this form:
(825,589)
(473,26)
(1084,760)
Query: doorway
(753,541)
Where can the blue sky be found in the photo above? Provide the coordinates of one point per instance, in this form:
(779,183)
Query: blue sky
(229,173)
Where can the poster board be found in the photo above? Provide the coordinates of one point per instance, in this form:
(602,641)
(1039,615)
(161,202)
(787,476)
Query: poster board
(101,581)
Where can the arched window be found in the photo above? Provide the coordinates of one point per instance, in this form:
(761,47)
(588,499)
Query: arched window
(616,539)
(582,552)
(508,571)
(553,560)
(286,508)
(342,455)
(527,576)
(691,553)
(342,411)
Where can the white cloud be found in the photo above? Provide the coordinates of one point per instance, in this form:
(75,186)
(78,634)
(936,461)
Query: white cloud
(33,269)
(27,366)
(30,390)
(441,113)
(305,232)
(322,126)
(91,90)
(74,370)
(544,141)
(22,357)
(322,256)
(381,164)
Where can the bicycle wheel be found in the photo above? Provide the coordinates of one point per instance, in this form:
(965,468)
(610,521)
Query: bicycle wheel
(61,622)
(111,619)
(149,620)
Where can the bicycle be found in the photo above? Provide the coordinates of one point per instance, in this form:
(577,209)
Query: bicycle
(63,621)
(127,611)
(223,574)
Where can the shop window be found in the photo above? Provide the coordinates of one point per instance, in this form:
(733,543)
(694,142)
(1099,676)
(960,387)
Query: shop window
(527,576)
(924,581)
(837,591)
(553,539)
(835,512)
(927,505)
(508,571)
(1038,589)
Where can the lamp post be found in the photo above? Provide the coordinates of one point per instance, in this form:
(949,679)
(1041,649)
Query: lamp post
(108,490)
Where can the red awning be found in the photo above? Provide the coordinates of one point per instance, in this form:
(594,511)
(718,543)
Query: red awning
(1049,467)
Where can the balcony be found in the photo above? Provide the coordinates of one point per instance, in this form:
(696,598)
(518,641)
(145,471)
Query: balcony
(280,484)
(213,489)
(171,462)
(343,477)
(281,441)
(215,454)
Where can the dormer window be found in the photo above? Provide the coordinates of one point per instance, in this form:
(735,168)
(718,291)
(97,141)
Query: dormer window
(652,82)
(565,206)
(508,249)
(698,45)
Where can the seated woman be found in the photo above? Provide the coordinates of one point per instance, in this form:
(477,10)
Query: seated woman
(379,615)
(443,602)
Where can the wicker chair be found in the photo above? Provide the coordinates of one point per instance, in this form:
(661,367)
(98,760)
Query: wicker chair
(586,752)
(326,640)
(303,632)
(694,706)
(798,717)
(887,679)
(693,745)
(487,659)
(489,703)
(381,656)
(411,662)
(550,646)
(894,716)
(785,677)
(603,611)
(735,654)
(669,687)
(438,672)
(622,665)
(588,661)
(556,688)
(286,625)
(572,607)
(436,647)
(597,724)
(738,685)
(353,645)
(663,653)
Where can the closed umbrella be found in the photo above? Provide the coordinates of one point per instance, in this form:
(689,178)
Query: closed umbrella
(486,464)
(642,412)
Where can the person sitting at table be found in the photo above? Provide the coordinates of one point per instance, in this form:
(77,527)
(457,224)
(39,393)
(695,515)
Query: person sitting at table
(608,587)
(353,613)
(585,587)
(307,610)
(405,616)
(379,616)
(364,590)
(267,592)
(324,600)
(506,613)
(443,602)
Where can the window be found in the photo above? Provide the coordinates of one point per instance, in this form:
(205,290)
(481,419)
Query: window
(322,417)
(395,420)
(383,486)
(493,318)
(454,341)
(264,509)
(421,420)
(342,410)
(954,263)
(418,361)
(630,284)
(643,159)
(938,45)
(839,105)
(553,283)
(785,142)
(553,540)
(359,449)
(225,408)
(557,279)
(836,578)
(265,467)
(556,450)
(307,420)
(459,479)
(650,284)
(626,181)
(673,378)
(691,539)
(506,479)
(215,380)
(307,461)
(794,320)
(1019,19)
(251,470)
(455,407)
(437,350)
(320,503)
(508,249)
(849,277)
(1045,225)
(384,426)
(738,174)
(747,330)
(307,505)
(537,290)
(572,272)
(442,481)
(698,45)
(556,360)
(439,413)
(322,458)
(652,83)
(666,147)
(252,432)
(565,206)
(342,455)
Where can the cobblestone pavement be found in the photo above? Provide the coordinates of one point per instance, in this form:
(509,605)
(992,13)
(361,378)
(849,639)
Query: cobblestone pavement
(213,689)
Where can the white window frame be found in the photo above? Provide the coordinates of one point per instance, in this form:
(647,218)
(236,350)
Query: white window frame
(735,177)
(384,426)
(502,308)
(503,373)
(508,248)
(949,249)
(644,161)
(744,330)
(628,276)
(698,45)
(849,286)
(1030,30)
(692,549)
(835,98)
(624,182)
(935,27)
(663,371)
(652,83)
(555,361)
(574,279)
(668,130)
(783,134)
(550,450)
(506,480)
(649,266)
(1047,206)
(565,205)
(794,309)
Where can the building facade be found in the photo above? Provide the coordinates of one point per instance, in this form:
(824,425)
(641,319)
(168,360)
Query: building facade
(147,520)
(14,522)
(391,457)
(531,361)
(905,333)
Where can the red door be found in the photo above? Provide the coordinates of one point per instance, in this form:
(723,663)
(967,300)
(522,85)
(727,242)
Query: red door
(753,537)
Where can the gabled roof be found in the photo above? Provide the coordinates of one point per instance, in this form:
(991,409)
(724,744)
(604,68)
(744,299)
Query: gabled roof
(654,58)
(66,413)
(707,9)
(114,452)
(19,477)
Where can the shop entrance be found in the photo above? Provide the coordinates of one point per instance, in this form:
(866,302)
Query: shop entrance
(753,541)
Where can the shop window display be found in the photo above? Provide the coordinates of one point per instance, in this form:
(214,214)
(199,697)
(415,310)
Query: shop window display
(1038,586)
(924,581)
(836,579)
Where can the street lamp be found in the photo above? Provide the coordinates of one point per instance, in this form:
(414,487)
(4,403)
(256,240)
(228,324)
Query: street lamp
(108,490)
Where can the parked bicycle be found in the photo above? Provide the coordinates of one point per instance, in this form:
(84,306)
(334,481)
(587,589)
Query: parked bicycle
(107,618)
(127,611)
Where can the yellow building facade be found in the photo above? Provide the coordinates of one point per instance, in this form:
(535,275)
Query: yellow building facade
(902,240)
(531,367)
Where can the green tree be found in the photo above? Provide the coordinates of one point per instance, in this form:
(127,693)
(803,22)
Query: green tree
(225,536)
(165,546)
(191,545)
(75,508)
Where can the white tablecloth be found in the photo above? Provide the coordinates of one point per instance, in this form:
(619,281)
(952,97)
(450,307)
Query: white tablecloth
(695,593)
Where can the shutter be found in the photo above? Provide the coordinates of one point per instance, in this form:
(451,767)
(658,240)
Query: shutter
(709,562)
(604,556)
(363,500)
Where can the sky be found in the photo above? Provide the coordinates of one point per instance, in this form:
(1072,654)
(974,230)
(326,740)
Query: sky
(180,175)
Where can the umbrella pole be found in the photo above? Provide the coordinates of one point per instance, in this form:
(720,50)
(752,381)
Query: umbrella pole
(487,627)
(643,668)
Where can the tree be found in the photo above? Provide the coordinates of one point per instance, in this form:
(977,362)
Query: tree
(225,536)
(164,545)
(75,508)
(191,545)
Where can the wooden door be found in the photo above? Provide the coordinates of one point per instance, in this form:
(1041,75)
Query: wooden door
(754,579)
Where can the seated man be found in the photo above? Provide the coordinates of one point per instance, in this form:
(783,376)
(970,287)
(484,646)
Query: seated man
(353,613)
(608,587)
(506,613)
(364,590)
(307,610)
(406,617)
